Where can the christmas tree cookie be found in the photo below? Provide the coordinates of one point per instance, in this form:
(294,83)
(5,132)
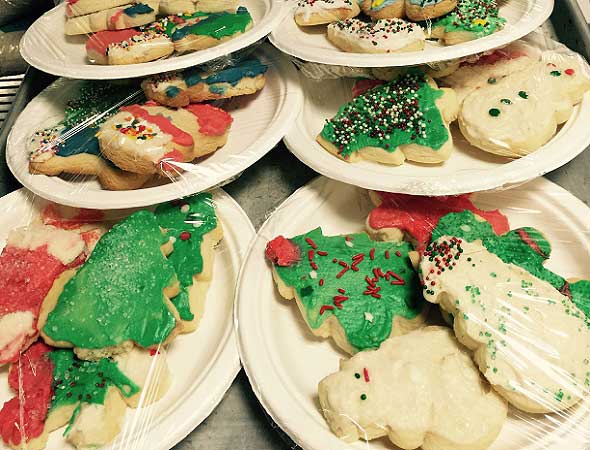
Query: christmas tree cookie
(419,390)
(120,297)
(524,247)
(472,19)
(406,118)
(354,290)
(54,388)
(399,215)
(195,230)
(529,340)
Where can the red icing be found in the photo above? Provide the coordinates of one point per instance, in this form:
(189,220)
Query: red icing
(362,86)
(569,72)
(51,216)
(526,238)
(282,252)
(115,18)
(419,215)
(99,42)
(179,136)
(212,121)
(23,417)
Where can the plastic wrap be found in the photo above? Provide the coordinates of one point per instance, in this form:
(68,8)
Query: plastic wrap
(98,340)
(442,322)
(125,143)
(527,100)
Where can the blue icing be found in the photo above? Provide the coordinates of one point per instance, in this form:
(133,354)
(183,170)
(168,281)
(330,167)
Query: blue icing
(377,5)
(140,8)
(231,75)
(172,91)
(83,141)
(218,89)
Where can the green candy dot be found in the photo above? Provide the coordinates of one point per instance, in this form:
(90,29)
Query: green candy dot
(555,73)
(494,112)
(357,375)
(506,101)
(523,94)
(492,80)
(363,397)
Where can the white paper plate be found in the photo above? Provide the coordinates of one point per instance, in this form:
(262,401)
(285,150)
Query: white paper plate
(203,364)
(260,122)
(467,170)
(47,48)
(285,362)
(312,44)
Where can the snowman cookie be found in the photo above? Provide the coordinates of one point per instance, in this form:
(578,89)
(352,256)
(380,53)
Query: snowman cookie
(318,12)
(407,118)
(419,390)
(382,36)
(520,113)
(348,288)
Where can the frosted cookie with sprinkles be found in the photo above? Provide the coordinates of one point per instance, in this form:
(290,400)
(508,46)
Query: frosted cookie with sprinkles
(407,118)
(194,86)
(472,19)
(127,16)
(318,12)
(418,10)
(348,288)
(382,36)
(383,9)
(129,46)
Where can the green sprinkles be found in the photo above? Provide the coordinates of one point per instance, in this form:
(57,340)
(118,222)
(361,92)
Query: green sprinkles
(357,375)
(363,397)
(506,101)
(555,73)
(523,94)
(494,112)
(492,80)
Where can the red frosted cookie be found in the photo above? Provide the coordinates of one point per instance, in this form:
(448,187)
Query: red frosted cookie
(29,264)
(397,215)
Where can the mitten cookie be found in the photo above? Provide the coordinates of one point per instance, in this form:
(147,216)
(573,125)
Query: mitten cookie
(33,258)
(420,390)
(530,341)
(54,388)
(383,9)
(127,16)
(119,297)
(191,6)
(349,288)
(418,10)
(129,46)
(407,118)
(194,228)
(521,112)
(382,36)
(318,12)
(413,217)
(194,86)
(211,30)
(472,19)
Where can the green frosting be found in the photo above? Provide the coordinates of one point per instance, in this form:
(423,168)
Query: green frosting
(187,221)
(76,381)
(480,17)
(379,284)
(117,295)
(402,111)
(217,25)
(524,247)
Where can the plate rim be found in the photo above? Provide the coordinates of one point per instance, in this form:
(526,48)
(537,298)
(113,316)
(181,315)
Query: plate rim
(280,416)
(576,139)
(52,188)
(222,371)
(341,58)
(258,32)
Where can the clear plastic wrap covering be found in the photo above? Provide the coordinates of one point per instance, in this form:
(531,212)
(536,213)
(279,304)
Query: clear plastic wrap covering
(398,321)
(136,142)
(486,121)
(99,316)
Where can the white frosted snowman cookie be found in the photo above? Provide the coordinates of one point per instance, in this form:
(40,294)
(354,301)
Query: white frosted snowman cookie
(530,341)
(317,12)
(382,36)
(420,390)
(521,112)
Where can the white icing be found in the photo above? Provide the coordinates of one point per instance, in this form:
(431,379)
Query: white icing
(64,245)
(528,337)
(349,244)
(380,35)
(15,328)
(309,7)
(313,274)
(369,317)
(422,387)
